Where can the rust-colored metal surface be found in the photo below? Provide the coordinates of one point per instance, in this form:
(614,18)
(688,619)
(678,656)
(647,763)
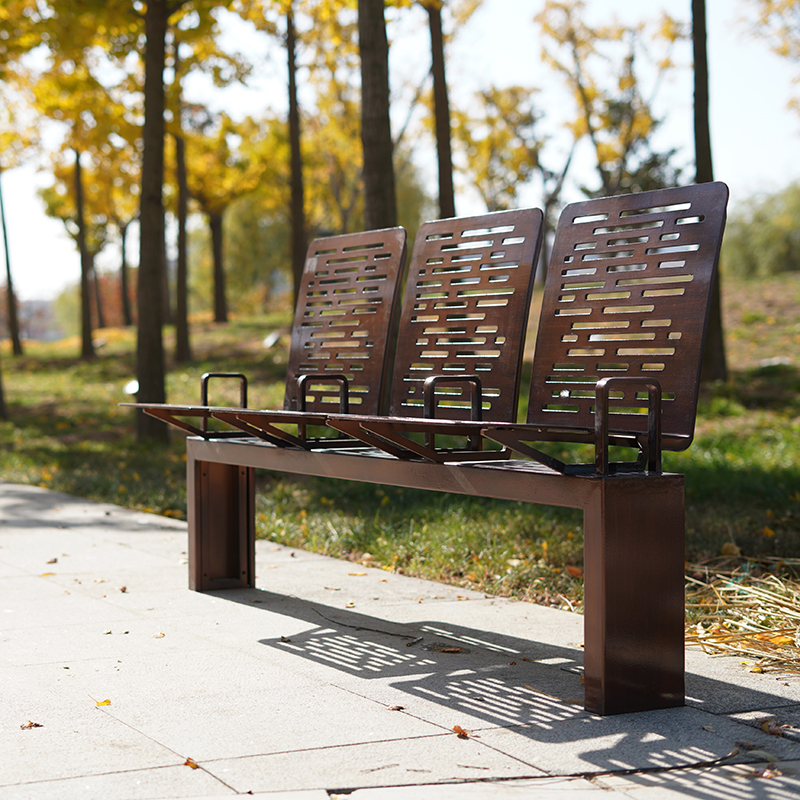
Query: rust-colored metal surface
(464,313)
(634,593)
(221,515)
(622,326)
(462,333)
(627,294)
(343,322)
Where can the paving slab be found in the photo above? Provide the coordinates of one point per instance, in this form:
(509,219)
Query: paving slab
(331,677)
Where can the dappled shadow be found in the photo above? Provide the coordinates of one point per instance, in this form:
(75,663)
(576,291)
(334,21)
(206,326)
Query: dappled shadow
(526,694)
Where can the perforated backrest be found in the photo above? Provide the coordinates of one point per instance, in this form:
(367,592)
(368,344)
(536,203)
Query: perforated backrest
(344,318)
(465,311)
(628,293)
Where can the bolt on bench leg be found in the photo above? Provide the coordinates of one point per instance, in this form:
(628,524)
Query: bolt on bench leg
(221,514)
(634,594)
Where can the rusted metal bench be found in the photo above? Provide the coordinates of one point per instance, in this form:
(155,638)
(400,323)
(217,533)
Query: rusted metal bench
(617,362)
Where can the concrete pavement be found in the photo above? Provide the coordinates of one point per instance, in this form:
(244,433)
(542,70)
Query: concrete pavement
(330,680)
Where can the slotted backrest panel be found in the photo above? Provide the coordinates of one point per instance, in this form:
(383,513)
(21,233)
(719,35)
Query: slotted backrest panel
(344,318)
(465,311)
(627,293)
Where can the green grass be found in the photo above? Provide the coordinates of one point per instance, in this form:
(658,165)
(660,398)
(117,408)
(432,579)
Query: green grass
(67,433)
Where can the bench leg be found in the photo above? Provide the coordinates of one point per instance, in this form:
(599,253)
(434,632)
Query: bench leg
(634,595)
(221,514)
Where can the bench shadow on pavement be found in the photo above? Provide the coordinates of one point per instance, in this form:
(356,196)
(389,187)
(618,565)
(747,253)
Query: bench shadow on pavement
(530,688)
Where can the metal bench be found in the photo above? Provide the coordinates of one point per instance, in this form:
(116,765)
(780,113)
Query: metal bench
(617,362)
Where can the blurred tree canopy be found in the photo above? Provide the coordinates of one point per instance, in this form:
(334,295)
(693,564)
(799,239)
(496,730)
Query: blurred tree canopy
(115,79)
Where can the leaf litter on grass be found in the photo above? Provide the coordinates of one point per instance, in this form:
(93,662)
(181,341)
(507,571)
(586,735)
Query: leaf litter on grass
(747,612)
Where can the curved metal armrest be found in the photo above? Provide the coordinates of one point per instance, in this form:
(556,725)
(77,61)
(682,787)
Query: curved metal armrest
(429,393)
(602,390)
(341,380)
(204,380)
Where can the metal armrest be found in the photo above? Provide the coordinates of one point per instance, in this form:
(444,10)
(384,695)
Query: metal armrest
(341,380)
(602,391)
(206,377)
(429,394)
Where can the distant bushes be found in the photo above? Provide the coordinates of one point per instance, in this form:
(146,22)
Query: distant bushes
(763,235)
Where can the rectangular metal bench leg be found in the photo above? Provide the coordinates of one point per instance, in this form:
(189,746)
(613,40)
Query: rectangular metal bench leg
(221,515)
(634,594)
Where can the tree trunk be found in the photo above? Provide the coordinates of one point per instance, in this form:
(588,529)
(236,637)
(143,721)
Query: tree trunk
(220,300)
(150,345)
(447,202)
(714,367)
(127,318)
(380,204)
(87,346)
(98,298)
(298,220)
(3,409)
(13,319)
(183,351)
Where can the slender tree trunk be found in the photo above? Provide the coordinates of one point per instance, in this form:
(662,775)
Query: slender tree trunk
(447,202)
(714,367)
(150,345)
(297,203)
(3,409)
(183,350)
(87,346)
(166,298)
(127,317)
(220,300)
(98,295)
(13,319)
(380,204)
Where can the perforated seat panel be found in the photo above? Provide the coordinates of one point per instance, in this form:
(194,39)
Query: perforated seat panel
(343,320)
(465,311)
(627,294)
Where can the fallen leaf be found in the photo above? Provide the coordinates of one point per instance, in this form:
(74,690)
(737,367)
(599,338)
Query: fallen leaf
(46,574)
(396,708)
(53,561)
(576,572)
(159,635)
(123,589)
(767,772)
(101,702)
(190,762)
(730,549)
(30,724)
(449,650)
(709,728)
(284,639)
(357,574)
(462,734)
(759,670)
(770,726)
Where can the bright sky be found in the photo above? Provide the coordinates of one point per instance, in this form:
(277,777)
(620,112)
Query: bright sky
(755,138)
